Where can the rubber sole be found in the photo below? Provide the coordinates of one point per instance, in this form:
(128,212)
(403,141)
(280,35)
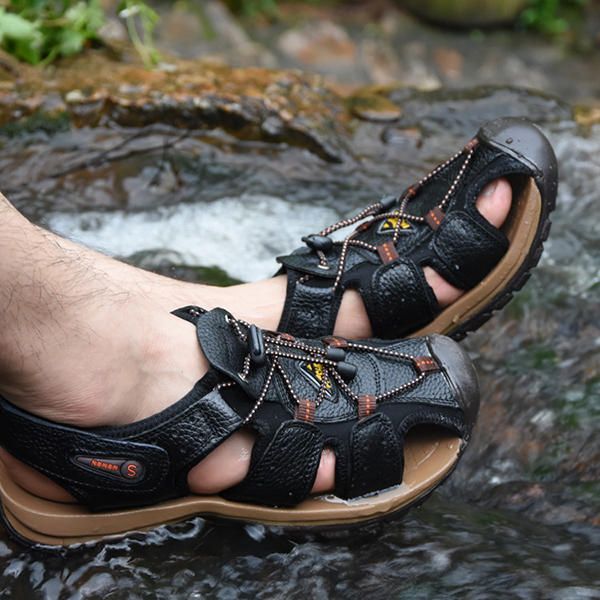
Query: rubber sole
(527,228)
(430,457)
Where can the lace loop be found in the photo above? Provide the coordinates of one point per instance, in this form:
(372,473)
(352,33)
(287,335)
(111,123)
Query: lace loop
(380,211)
(279,346)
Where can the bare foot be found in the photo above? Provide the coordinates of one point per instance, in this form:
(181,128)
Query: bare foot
(111,327)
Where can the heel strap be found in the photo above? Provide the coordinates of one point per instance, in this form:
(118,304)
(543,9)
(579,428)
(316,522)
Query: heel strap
(133,465)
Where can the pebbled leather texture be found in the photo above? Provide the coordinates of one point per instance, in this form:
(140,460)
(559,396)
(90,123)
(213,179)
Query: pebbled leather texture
(291,459)
(399,287)
(377,458)
(93,464)
(464,248)
(166,446)
(51,449)
(309,309)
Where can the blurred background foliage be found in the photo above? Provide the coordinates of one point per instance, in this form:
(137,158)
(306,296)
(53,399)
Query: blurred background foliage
(549,17)
(41,31)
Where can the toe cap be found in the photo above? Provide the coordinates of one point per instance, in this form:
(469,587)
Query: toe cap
(522,140)
(461,374)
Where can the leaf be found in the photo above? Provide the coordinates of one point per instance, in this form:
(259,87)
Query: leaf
(26,51)
(70,42)
(15,27)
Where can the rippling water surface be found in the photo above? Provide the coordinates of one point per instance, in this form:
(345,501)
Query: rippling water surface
(520,516)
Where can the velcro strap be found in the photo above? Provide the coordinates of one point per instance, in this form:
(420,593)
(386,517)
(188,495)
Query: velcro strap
(466,250)
(133,465)
(309,311)
(376,455)
(399,299)
(283,475)
(94,469)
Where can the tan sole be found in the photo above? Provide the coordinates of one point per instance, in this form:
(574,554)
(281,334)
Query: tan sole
(429,459)
(521,228)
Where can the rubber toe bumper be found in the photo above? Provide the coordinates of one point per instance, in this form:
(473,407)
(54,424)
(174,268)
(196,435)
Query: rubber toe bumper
(521,139)
(461,373)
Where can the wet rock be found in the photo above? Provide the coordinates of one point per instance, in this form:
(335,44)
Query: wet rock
(450,62)
(381,61)
(457,111)
(374,107)
(210,31)
(323,43)
(587,115)
(188,95)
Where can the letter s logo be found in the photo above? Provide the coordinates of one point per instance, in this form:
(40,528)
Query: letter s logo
(132,470)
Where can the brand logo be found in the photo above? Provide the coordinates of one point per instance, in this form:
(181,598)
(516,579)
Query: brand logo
(315,373)
(390,224)
(120,468)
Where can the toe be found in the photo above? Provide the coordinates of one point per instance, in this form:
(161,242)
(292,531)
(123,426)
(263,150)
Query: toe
(494,201)
(325,480)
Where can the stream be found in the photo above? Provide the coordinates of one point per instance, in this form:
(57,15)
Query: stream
(520,518)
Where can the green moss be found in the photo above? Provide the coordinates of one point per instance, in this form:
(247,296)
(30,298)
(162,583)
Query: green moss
(214,276)
(38,32)
(35,123)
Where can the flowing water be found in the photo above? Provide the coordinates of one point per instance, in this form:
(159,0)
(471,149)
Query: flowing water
(519,518)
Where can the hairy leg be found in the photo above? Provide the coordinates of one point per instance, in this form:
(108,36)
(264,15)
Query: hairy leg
(84,334)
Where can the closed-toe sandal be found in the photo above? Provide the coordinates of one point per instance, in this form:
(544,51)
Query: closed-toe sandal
(433,223)
(398,416)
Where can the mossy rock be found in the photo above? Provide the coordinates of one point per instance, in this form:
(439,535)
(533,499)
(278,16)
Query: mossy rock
(466,13)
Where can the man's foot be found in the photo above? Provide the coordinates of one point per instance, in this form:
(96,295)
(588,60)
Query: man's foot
(84,334)
(388,246)
(263,301)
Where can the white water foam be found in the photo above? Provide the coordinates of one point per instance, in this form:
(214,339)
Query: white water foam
(240,235)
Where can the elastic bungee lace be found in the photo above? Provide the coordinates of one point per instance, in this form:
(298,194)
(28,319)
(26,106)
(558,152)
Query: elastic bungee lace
(374,212)
(281,345)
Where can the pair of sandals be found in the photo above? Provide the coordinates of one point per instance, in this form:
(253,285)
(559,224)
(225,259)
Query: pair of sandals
(398,413)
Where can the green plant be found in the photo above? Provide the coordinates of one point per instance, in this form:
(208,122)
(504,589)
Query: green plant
(141,21)
(38,31)
(552,17)
(253,8)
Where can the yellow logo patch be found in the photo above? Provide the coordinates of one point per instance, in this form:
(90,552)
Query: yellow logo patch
(389,225)
(315,373)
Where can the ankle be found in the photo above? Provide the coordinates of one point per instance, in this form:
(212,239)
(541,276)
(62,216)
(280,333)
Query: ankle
(117,364)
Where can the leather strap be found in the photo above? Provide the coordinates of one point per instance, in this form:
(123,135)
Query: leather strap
(399,299)
(465,249)
(377,458)
(284,473)
(309,311)
(126,466)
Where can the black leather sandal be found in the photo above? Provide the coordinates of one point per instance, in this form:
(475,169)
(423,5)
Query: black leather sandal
(433,223)
(362,399)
